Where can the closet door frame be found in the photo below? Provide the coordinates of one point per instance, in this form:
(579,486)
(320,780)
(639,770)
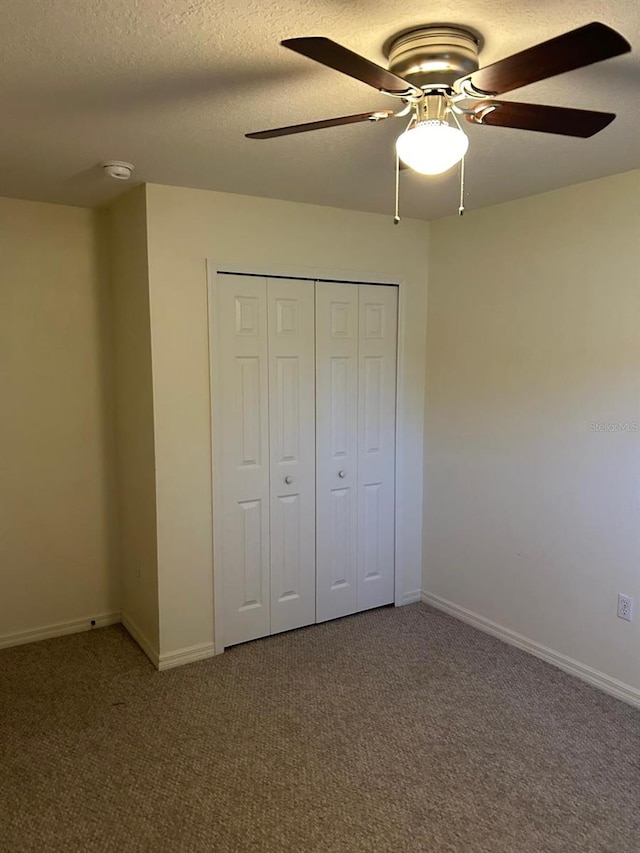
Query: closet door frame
(216,268)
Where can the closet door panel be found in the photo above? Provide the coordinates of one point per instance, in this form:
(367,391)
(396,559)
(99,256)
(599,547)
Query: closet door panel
(378,322)
(336,449)
(242,430)
(292,452)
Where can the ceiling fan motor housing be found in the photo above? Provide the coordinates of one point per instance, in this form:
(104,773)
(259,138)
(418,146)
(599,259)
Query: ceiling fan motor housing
(434,57)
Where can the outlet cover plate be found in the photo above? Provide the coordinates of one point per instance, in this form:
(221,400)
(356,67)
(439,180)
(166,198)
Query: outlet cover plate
(625,607)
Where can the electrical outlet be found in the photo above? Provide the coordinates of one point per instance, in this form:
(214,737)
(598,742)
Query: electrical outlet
(625,607)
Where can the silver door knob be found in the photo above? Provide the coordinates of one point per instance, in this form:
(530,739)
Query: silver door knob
(342,474)
(288,480)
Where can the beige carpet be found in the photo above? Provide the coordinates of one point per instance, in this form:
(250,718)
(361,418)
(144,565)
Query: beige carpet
(396,730)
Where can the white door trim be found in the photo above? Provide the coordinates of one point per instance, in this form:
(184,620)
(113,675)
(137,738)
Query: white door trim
(214,268)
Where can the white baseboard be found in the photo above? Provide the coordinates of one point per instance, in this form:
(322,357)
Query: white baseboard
(169,660)
(141,640)
(604,682)
(410,597)
(58,629)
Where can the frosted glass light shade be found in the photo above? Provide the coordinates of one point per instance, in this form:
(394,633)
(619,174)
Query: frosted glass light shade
(431,147)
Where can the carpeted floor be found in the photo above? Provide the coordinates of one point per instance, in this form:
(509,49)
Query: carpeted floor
(395,731)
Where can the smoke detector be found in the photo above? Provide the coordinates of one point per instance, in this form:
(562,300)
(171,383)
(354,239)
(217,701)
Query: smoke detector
(118,169)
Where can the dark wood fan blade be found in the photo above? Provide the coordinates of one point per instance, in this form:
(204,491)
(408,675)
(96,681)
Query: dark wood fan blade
(584,46)
(335,56)
(563,120)
(378,115)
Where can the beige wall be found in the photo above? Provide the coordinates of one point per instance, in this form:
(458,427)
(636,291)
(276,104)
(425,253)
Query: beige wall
(185,227)
(56,497)
(534,335)
(126,226)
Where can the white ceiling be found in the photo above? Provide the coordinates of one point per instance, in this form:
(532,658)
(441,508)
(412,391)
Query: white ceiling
(173,86)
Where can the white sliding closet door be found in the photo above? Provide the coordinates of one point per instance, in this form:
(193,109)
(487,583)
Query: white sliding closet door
(242,431)
(337,449)
(377,345)
(291,331)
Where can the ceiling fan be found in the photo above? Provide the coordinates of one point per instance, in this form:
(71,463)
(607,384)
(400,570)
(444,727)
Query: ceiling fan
(434,72)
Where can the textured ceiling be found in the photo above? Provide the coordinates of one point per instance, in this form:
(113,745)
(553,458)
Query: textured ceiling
(173,85)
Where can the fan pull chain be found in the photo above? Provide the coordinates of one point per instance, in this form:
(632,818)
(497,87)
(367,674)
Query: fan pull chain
(461,207)
(396,218)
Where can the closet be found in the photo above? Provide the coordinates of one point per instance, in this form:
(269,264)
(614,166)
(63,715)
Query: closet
(304,402)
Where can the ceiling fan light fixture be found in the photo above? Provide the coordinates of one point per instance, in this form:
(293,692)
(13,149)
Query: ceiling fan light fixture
(431,147)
